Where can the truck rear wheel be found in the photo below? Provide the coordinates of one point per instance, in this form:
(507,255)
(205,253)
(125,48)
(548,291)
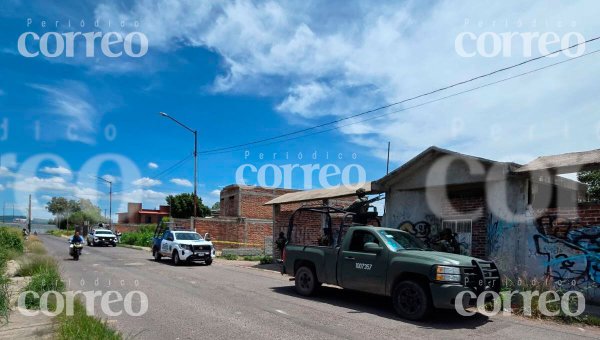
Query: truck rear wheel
(306,281)
(411,300)
(156,255)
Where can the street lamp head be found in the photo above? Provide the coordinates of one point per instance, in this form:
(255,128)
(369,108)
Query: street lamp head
(164,114)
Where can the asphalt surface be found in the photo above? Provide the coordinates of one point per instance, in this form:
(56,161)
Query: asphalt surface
(225,301)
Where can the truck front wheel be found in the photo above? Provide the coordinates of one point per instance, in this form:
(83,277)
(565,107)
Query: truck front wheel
(412,300)
(306,281)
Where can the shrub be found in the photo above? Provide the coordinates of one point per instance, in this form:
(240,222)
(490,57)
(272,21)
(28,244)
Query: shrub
(230,257)
(47,279)
(35,264)
(266,259)
(83,326)
(11,238)
(142,238)
(4,299)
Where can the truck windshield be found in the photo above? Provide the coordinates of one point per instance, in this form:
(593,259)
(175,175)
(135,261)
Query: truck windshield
(399,240)
(187,236)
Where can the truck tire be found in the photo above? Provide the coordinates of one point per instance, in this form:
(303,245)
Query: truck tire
(175,258)
(306,281)
(156,255)
(412,300)
(208,262)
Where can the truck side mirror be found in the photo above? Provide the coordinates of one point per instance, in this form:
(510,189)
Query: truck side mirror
(372,247)
(207,237)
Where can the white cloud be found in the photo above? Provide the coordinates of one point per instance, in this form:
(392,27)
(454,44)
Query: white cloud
(216,193)
(35,183)
(5,172)
(146,182)
(317,61)
(181,181)
(72,105)
(56,170)
(152,165)
(1,187)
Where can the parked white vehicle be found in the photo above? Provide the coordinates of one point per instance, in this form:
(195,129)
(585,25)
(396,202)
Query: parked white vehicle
(101,237)
(183,246)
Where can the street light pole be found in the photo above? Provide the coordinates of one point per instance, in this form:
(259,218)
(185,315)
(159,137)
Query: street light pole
(109,201)
(195,132)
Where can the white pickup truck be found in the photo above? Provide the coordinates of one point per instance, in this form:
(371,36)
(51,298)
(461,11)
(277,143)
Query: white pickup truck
(183,246)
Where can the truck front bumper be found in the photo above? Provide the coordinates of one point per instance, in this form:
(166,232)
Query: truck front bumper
(187,255)
(444,295)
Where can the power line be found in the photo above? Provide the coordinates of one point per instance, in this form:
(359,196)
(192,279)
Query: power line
(418,105)
(162,173)
(398,102)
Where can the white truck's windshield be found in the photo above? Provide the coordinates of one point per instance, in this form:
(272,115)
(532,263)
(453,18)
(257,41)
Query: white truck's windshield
(188,237)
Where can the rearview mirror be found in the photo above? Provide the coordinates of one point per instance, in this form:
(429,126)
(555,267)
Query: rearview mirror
(371,247)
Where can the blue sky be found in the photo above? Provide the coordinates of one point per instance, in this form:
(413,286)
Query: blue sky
(239,71)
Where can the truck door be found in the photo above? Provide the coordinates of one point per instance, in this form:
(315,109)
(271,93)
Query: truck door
(360,269)
(166,245)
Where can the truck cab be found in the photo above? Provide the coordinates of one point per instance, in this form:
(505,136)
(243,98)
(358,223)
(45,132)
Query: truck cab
(391,262)
(181,245)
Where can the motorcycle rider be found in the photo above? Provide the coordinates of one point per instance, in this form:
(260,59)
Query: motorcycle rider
(76,238)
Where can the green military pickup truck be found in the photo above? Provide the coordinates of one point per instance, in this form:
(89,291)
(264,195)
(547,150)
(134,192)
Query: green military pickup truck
(392,263)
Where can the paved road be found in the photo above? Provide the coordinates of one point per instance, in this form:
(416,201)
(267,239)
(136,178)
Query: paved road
(224,301)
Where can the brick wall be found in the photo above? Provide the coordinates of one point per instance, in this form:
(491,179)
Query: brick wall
(558,221)
(465,206)
(248,201)
(236,230)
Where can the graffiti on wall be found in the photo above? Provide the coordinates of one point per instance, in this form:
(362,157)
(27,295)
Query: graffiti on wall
(571,252)
(496,228)
(433,236)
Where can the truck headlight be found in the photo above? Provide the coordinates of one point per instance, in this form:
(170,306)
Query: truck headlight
(447,274)
(185,246)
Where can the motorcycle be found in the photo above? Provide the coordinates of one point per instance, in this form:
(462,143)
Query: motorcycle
(75,250)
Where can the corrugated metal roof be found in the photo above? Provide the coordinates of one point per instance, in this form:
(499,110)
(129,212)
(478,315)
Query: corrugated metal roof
(321,194)
(565,163)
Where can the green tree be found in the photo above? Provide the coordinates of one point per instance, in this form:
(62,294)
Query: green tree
(182,206)
(216,206)
(592,179)
(57,206)
(76,212)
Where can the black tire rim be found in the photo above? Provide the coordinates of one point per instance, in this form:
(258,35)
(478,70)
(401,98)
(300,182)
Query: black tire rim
(305,281)
(410,300)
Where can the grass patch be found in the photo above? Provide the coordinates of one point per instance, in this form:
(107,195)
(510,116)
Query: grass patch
(525,284)
(83,326)
(4,299)
(231,257)
(43,280)
(59,232)
(266,259)
(35,264)
(34,245)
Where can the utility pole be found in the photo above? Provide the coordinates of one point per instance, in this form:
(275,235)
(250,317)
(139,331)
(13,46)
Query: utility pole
(387,168)
(29,216)
(109,201)
(195,132)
